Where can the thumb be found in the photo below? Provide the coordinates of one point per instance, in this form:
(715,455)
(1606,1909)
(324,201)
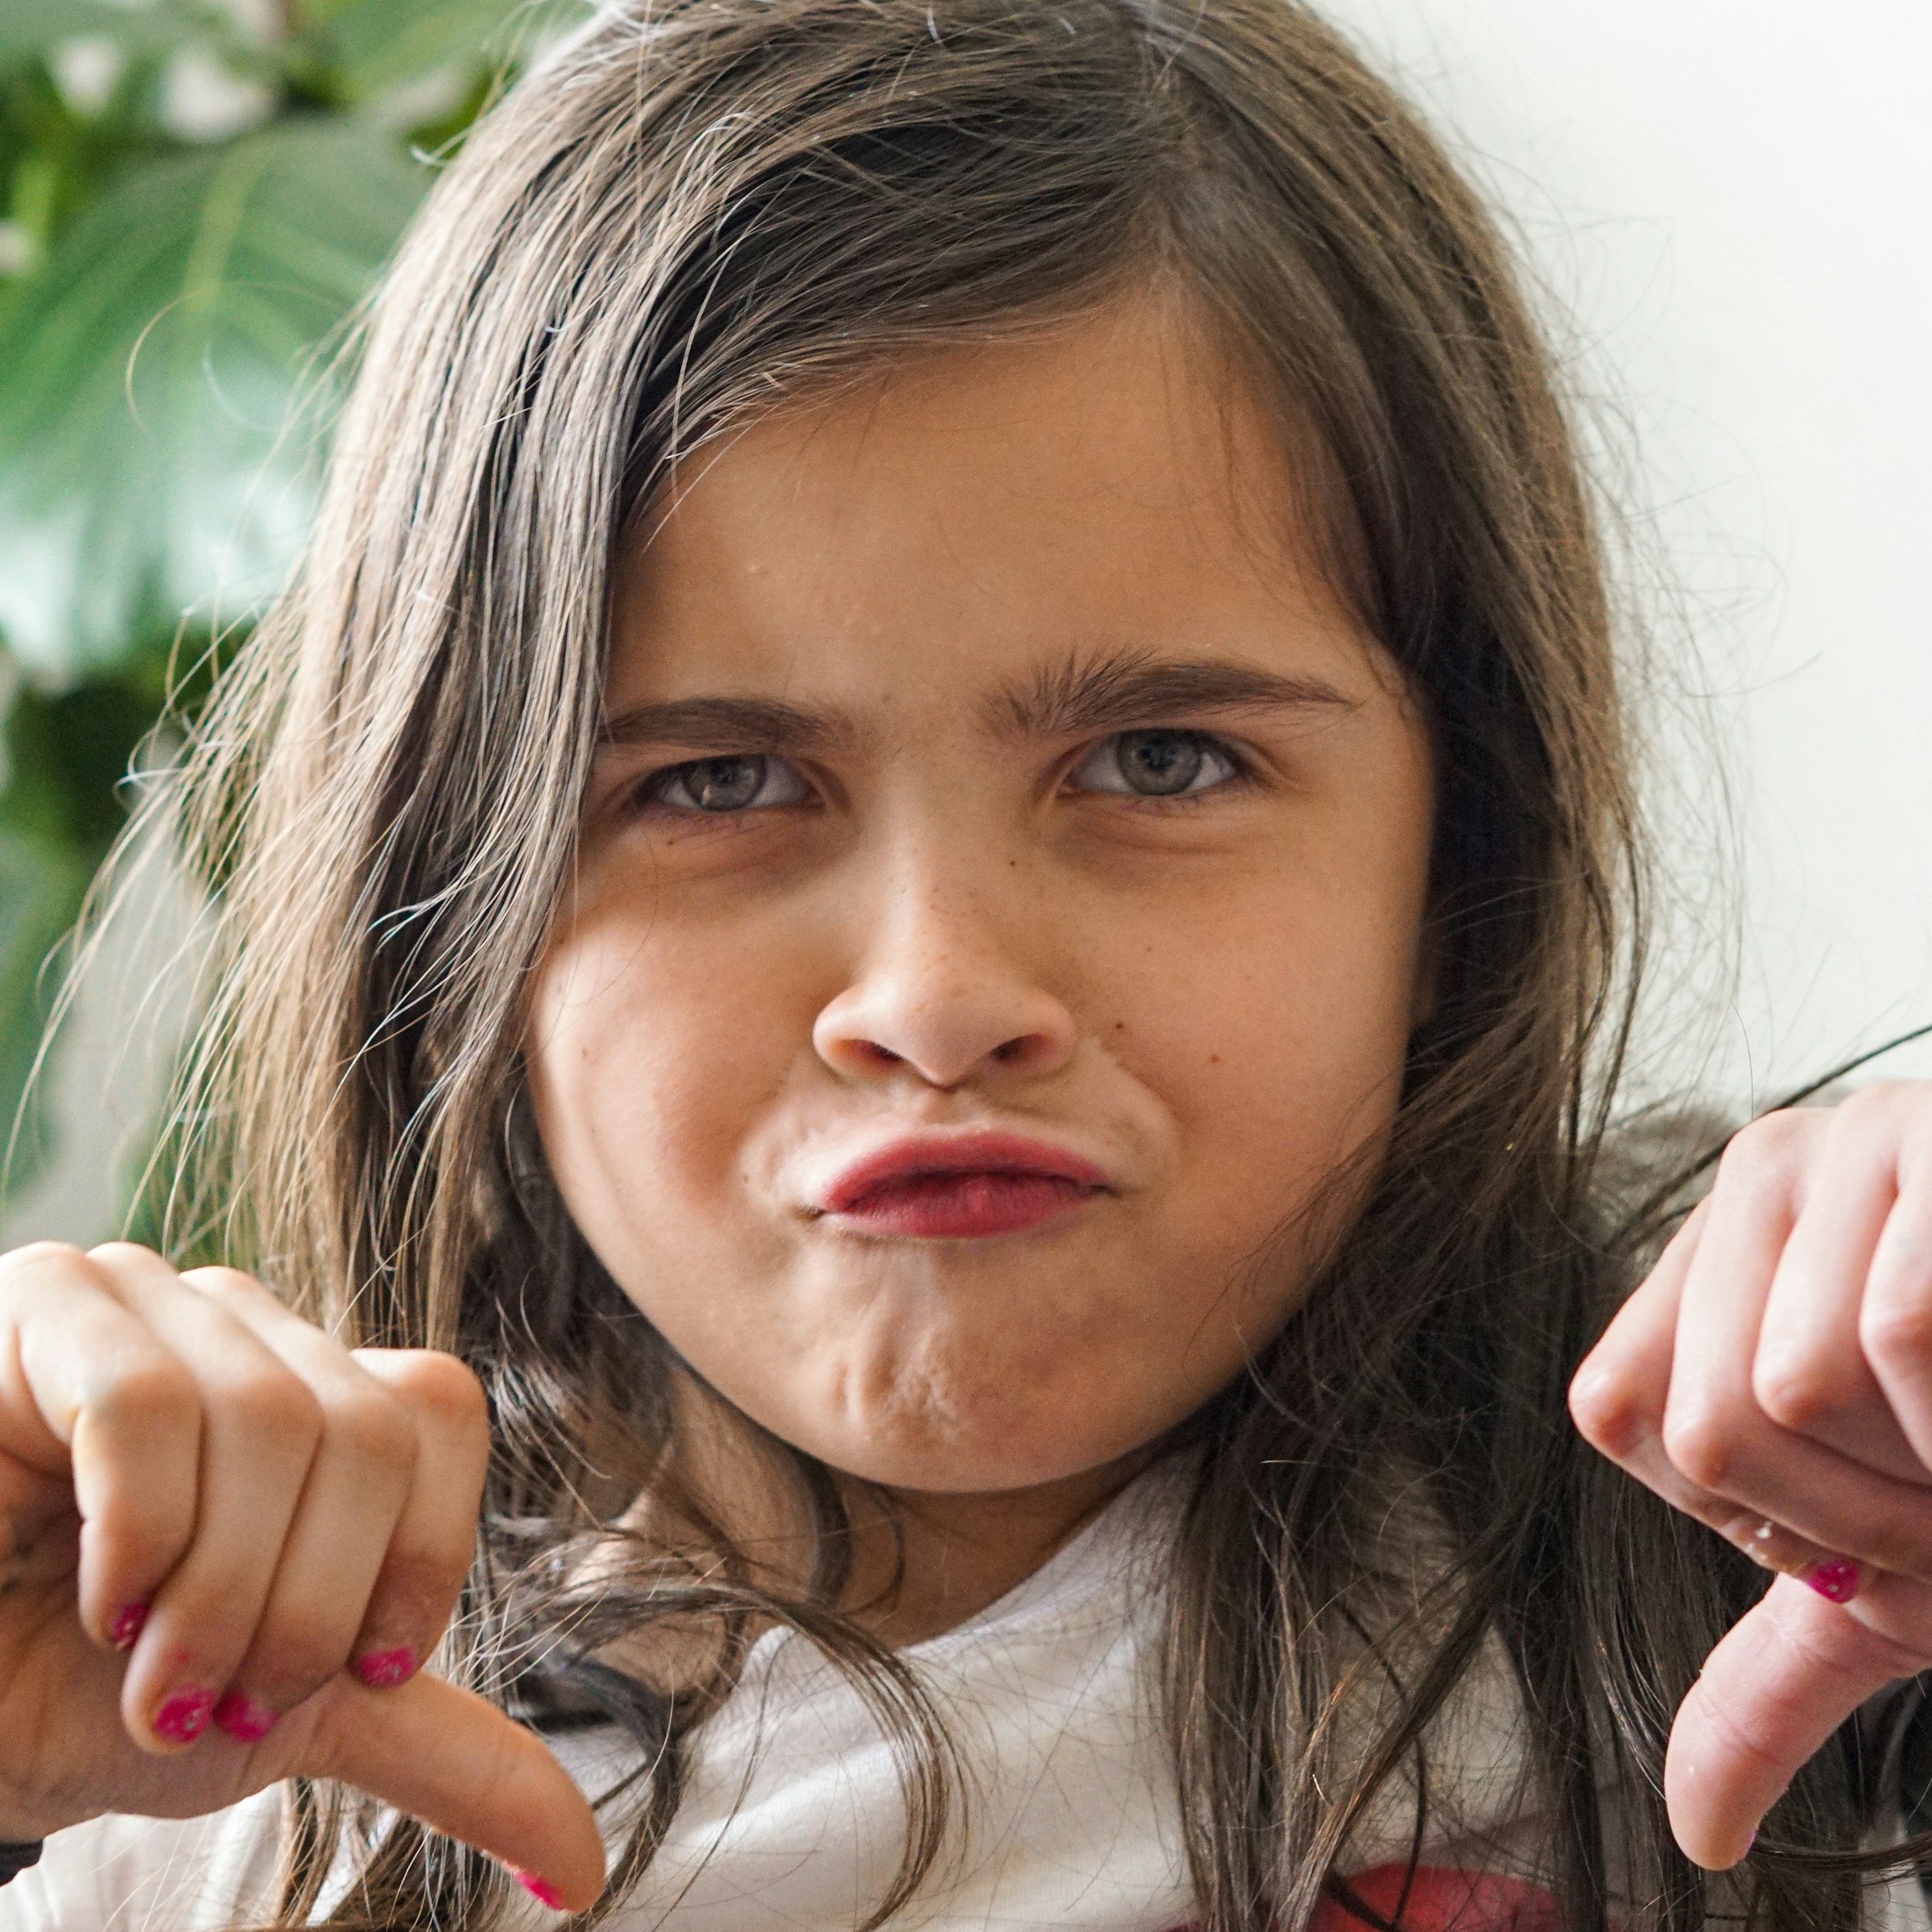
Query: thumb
(458,1763)
(1790,1671)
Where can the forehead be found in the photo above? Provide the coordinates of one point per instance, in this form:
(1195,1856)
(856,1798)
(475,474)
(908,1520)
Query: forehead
(1114,486)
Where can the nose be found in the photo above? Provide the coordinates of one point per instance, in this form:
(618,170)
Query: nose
(938,991)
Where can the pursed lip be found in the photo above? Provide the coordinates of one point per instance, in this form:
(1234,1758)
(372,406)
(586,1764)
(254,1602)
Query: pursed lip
(979,1151)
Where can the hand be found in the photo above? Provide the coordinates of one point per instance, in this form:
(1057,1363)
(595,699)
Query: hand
(1772,1378)
(232,1540)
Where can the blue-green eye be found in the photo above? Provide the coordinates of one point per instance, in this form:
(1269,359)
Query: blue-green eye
(1156,764)
(742,782)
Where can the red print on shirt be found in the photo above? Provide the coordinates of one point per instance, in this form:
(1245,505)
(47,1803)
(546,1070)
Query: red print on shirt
(1439,1899)
(1434,1899)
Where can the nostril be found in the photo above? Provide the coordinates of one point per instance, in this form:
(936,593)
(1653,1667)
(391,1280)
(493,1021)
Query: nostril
(1009,1050)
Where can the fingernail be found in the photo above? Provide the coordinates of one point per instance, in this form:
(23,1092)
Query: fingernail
(242,1717)
(129,1620)
(1836,1580)
(541,1889)
(384,1669)
(184,1716)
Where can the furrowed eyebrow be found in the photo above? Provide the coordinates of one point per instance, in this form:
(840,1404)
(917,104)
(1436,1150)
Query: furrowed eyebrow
(730,726)
(1115,693)
(1110,694)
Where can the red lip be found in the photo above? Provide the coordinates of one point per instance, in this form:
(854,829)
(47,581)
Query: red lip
(962,1185)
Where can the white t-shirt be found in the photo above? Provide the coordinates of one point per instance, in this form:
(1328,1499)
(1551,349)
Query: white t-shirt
(793,1820)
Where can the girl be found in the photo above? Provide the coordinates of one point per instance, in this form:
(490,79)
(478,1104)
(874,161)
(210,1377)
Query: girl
(928,901)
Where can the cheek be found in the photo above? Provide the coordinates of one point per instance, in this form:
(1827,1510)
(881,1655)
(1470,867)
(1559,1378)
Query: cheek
(1281,1047)
(645,1064)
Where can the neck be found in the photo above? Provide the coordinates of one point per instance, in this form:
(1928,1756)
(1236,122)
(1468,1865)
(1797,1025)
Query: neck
(921,1562)
(924,1563)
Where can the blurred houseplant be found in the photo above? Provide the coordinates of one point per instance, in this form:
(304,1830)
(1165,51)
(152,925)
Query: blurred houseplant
(194,197)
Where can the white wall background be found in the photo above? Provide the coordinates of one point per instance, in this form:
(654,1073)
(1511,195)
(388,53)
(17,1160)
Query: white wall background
(1733,199)
(1730,199)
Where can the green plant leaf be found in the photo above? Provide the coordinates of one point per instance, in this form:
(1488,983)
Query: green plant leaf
(150,465)
(30,26)
(42,884)
(382,43)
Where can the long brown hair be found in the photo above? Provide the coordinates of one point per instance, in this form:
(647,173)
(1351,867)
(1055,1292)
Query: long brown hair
(689,212)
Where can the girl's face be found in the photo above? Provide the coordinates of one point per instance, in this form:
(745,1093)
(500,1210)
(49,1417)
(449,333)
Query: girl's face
(991,781)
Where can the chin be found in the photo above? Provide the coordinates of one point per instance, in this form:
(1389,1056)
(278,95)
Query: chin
(950,1471)
(940,1444)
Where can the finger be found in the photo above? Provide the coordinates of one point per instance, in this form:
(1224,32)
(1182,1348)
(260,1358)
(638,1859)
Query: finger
(1617,1394)
(1617,1399)
(1811,1376)
(352,1498)
(1895,1324)
(434,1542)
(1714,1433)
(261,1424)
(460,1765)
(88,1392)
(1751,1213)
(1782,1681)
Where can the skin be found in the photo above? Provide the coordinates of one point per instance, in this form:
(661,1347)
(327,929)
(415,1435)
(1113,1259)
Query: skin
(946,921)
(1773,1379)
(944,917)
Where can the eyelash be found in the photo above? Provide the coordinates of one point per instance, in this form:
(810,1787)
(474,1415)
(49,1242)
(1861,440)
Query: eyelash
(645,795)
(1240,769)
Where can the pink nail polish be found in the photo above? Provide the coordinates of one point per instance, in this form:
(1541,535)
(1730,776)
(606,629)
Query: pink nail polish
(129,1620)
(384,1669)
(243,1717)
(541,1889)
(1836,1580)
(184,1716)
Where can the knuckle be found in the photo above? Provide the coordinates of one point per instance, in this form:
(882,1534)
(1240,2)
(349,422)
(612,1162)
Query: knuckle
(376,1427)
(1609,1410)
(123,1254)
(1896,1332)
(1766,1145)
(1883,1100)
(41,1255)
(1703,1446)
(278,1404)
(141,1399)
(225,1284)
(1796,1393)
(442,1389)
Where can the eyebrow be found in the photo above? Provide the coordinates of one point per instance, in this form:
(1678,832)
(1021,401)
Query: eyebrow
(731,725)
(1113,693)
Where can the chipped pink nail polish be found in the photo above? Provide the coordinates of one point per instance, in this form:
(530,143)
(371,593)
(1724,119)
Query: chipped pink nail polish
(184,1716)
(384,1669)
(1836,1581)
(129,1620)
(243,1718)
(541,1889)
